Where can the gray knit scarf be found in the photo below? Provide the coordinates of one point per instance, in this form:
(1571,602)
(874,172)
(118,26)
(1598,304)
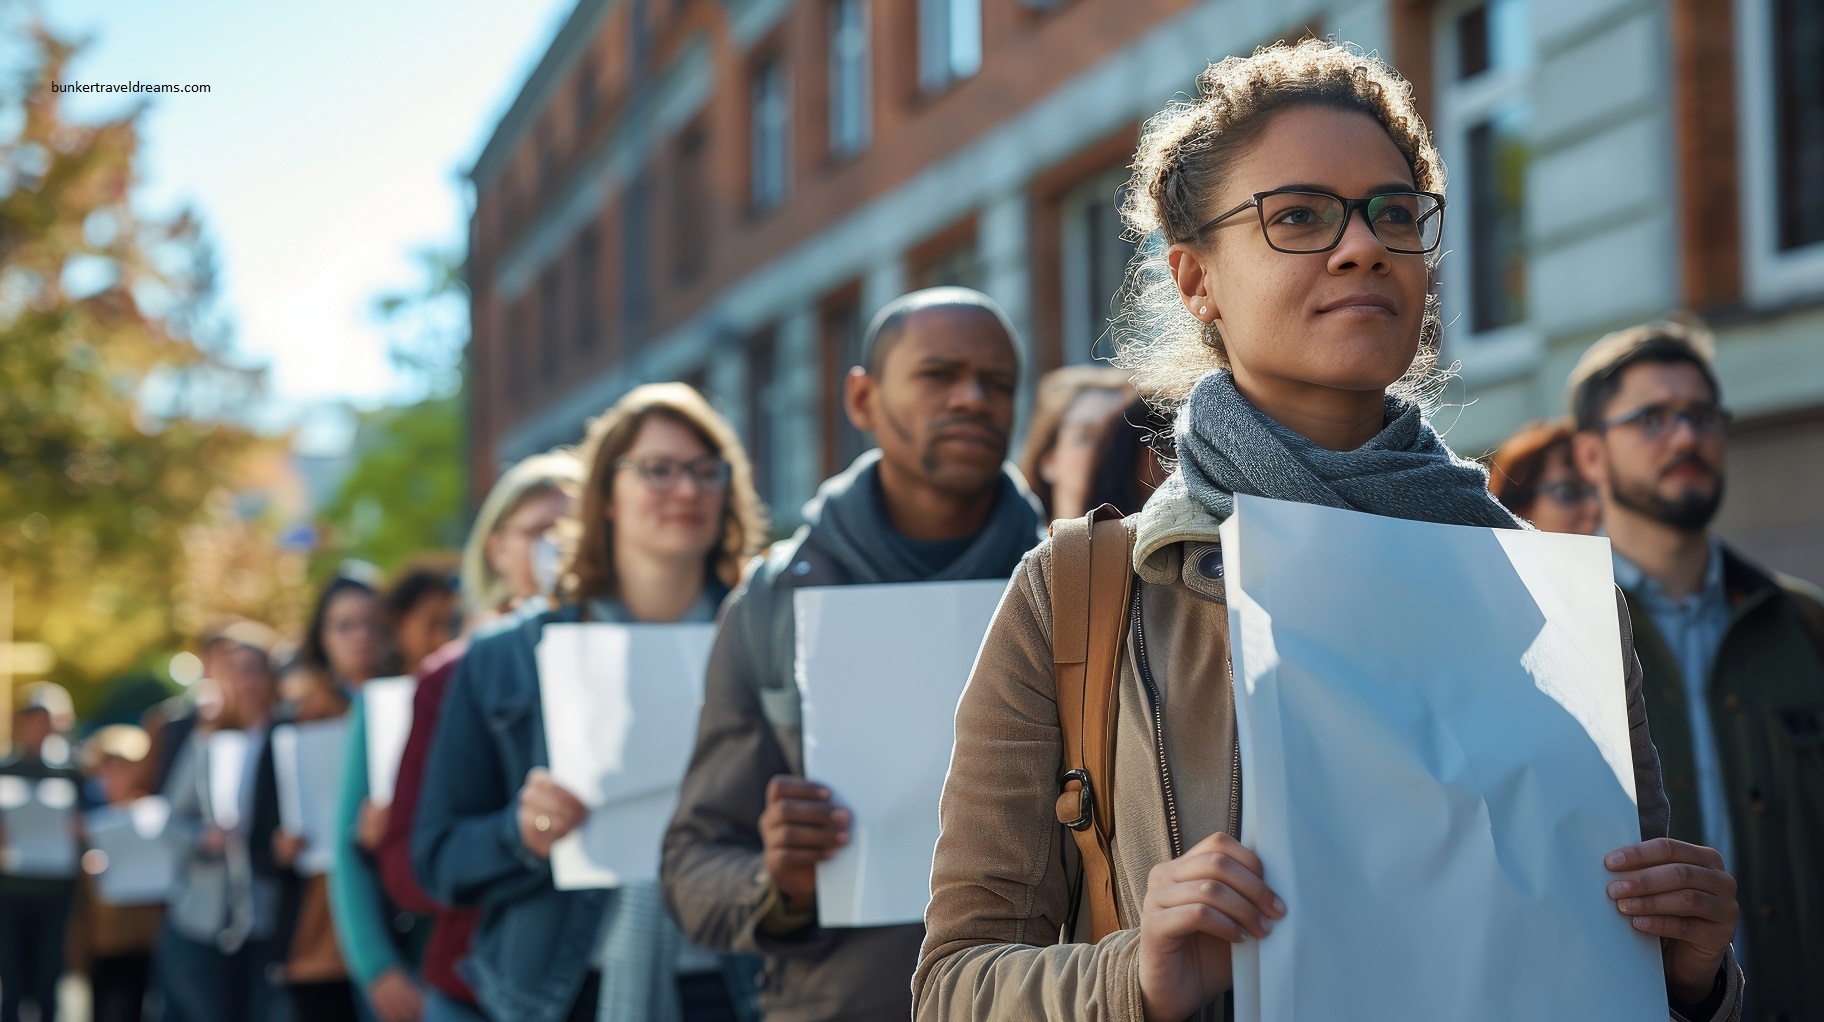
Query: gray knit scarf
(848,519)
(1227,446)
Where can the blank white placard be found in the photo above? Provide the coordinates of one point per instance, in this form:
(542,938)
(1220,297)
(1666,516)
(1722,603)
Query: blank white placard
(1435,760)
(386,708)
(138,866)
(225,759)
(880,670)
(307,764)
(39,815)
(620,707)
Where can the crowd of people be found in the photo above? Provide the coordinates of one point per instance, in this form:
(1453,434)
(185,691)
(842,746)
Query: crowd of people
(1283,348)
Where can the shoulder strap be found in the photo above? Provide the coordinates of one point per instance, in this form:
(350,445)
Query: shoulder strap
(1091,579)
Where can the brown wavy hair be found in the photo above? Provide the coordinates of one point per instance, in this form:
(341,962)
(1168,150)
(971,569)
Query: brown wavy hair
(589,568)
(1058,390)
(1516,467)
(1185,154)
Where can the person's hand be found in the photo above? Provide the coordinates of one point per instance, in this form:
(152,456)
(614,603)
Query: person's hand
(799,829)
(212,840)
(395,998)
(286,847)
(1196,907)
(370,826)
(1679,893)
(546,812)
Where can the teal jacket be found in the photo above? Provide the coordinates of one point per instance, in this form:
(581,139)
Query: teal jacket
(373,935)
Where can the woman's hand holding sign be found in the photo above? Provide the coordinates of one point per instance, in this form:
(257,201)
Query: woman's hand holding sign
(1679,893)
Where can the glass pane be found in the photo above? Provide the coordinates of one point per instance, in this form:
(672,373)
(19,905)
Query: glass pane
(849,85)
(1497,151)
(965,37)
(1799,120)
(1472,43)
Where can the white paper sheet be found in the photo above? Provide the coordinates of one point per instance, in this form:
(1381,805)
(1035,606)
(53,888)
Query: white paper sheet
(620,710)
(39,816)
(136,865)
(307,764)
(225,754)
(880,669)
(386,705)
(1435,760)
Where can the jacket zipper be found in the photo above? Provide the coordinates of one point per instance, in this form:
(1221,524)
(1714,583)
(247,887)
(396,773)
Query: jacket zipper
(1152,693)
(1234,772)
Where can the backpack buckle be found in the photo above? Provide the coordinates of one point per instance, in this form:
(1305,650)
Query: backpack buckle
(1086,801)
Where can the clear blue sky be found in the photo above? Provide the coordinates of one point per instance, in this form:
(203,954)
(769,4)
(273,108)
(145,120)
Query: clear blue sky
(328,150)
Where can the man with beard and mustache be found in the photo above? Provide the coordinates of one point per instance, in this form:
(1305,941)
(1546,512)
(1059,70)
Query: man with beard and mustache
(1733,653)
(935,502)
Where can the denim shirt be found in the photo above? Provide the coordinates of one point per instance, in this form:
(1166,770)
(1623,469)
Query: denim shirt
(535,945)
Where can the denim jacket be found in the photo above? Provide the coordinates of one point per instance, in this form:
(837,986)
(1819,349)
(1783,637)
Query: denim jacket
(535,945)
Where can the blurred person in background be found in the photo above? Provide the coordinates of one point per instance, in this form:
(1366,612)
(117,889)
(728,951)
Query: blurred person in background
(35,910)
(666,520)
(379,943)
(214,944)
(1733,652)
(116,941)
(344,647)
(935,502)
(1533,475)
(169,723)
(1126,468)
(1074,404)
(498,577)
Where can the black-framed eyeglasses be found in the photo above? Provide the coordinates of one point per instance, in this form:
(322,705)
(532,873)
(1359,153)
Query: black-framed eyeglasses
(1565,493)
(1301,222)
(1656,421)
(663,474)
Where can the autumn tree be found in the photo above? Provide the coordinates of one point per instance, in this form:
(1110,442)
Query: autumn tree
(116,403)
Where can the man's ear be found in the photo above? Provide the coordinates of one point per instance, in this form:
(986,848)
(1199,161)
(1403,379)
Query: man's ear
(858,398)
(1590,458)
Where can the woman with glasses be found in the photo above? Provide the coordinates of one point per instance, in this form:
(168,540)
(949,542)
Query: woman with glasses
(667,518)
(1532,474)
(1285,308)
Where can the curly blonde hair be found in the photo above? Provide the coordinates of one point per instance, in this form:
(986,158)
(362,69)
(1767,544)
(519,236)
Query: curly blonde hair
(589,568)
(1187,150)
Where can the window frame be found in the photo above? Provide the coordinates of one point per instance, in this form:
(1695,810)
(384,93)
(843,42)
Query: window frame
(772,66)
(1461,106)
(934,80)
(1770,277)
(840,146)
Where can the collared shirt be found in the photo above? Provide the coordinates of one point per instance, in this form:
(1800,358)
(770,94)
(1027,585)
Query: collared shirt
(1693,629)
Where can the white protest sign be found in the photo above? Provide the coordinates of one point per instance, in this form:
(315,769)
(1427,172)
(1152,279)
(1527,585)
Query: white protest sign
(620,710)
(39,817)
(1435,760)
(386,707)
(136,865)
(225,759)
(307,764)
(880,669)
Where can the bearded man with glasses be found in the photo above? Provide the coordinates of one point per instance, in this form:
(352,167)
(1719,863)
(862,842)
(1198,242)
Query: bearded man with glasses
(1733,652)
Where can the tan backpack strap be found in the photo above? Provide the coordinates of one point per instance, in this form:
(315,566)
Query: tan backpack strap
(1091,580)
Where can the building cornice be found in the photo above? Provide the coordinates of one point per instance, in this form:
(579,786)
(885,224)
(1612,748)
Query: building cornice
(573,38)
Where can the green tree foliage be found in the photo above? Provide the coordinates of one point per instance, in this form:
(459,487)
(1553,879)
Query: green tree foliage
(101,377)
(406,492)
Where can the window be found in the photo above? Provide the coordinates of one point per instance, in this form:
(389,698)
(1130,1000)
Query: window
(1780,90)
(1487,124)
(1093,261)
(519,383)
(851,120)
(760,414)
(585,92)
(583,289)
(549,292)
(842,335)
(635,257)
(772,122)
(949,42)
(689,213)
(1798,112)
(547,154)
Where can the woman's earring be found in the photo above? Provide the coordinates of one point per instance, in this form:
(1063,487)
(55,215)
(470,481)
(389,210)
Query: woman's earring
(1203,310)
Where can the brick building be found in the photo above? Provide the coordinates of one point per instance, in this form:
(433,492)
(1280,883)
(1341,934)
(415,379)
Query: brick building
(722,191)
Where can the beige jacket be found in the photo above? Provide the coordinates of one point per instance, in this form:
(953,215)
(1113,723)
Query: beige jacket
(1001,883)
